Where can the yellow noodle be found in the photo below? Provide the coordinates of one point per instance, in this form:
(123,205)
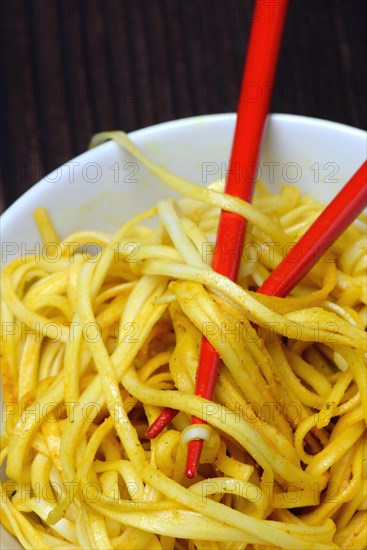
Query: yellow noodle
(47,230)
(103,330)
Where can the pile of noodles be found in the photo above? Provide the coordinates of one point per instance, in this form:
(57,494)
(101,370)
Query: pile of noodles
(94,345)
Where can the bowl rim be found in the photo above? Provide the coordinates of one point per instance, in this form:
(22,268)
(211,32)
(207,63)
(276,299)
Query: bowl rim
(149,131)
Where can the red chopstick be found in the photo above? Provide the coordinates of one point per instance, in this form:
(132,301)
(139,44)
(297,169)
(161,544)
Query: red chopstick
(259,72)
(336,217)
(253,107)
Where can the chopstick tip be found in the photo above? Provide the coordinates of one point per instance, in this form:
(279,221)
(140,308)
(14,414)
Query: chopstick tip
(193,457)
(161,422)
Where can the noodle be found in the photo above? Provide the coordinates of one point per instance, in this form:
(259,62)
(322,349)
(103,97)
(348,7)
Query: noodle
(94,345)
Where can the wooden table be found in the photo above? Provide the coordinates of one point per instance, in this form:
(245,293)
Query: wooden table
(72,68)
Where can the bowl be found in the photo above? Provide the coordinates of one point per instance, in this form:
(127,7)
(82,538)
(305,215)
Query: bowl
(104,186)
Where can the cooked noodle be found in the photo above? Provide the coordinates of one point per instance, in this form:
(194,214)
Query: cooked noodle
(94,345)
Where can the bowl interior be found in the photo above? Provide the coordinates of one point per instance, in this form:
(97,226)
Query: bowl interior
(105,186)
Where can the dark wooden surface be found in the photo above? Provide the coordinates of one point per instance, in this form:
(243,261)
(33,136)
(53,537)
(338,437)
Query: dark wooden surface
(71,68)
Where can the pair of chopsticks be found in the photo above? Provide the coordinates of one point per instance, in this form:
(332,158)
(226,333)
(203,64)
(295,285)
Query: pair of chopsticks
(331,223)
(258,79)
(259,71)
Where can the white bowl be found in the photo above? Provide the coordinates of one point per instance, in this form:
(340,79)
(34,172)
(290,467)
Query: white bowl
(104,186)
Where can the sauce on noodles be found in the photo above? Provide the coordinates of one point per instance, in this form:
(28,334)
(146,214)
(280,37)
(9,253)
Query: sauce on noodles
(95,344)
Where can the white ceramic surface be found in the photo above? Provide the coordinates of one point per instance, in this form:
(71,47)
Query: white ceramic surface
(105,186)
